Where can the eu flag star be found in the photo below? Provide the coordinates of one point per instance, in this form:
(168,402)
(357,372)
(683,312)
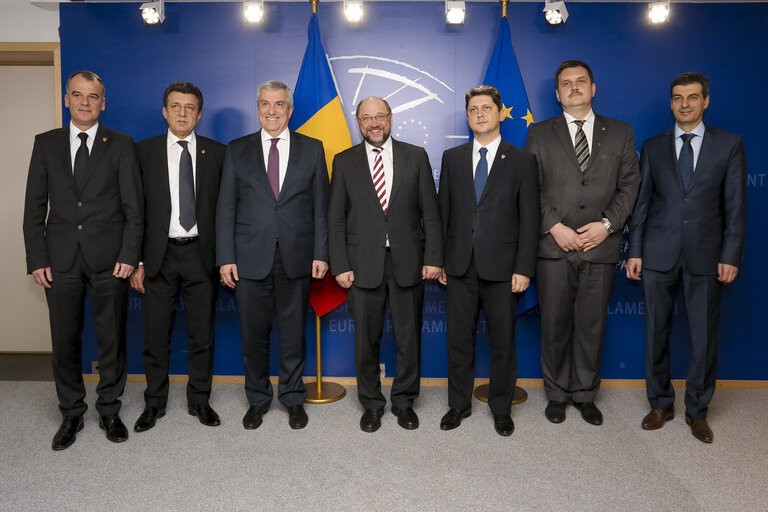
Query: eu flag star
(506,112)
(528,118)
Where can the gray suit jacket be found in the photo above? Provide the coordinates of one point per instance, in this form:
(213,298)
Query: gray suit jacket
(250,221)
(358,226)
(608,188)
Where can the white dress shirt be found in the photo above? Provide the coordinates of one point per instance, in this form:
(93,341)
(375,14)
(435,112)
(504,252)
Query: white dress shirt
(389,172)
(74,141)
(588,127)
(283,149)
(492,147)
(695,142)
(174,155)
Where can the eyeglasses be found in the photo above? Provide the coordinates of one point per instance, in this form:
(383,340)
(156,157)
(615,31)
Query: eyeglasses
(188,108)
(378,117)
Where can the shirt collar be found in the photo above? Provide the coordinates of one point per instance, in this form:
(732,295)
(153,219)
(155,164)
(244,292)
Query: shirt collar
(387,146)
(173,139)
(698,131)
(589,118)
(74,131)
(491,146)
(265,137)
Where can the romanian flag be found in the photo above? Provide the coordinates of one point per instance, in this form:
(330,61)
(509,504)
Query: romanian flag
(504,74)
(317,113)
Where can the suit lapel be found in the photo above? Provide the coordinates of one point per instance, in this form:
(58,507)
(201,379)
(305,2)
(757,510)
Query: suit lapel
(467,174)
(497,167)
(163,177)
(669,148)
(399,160)
(561,129)
(257,156)
(201,167)
(99,149)
(599,132)
(293,161)
(66,149)
(364,177)
(707,145)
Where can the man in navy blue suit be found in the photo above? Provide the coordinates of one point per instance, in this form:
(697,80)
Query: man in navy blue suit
(687,228)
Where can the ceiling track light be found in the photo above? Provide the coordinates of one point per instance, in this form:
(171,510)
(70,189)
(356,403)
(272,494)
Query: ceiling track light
(455,12)
(658,12)
(555,12)
(253,10)
(153,13)
(353,10)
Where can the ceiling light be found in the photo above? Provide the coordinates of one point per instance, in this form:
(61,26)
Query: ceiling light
(353,10)
(153,12)
(555,12)
(658,12)
(454,12)
(253,11)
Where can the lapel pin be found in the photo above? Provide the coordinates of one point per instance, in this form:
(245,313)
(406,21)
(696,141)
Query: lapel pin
(104,139)
(202,151)
(603,128)
(503,157)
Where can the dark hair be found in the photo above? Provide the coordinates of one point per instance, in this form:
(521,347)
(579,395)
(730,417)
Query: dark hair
(483,90)
(185,88)
(88,75)
(572,64)
(691,78)
(357,110)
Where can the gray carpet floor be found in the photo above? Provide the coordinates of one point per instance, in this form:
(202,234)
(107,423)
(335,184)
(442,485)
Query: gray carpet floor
(331,465)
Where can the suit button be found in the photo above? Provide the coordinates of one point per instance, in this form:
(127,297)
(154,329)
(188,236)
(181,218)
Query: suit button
(582,207)
(277,208)
(477,211)
(80,226)
(81,204)
(585,183)
(685,221)
(685,200)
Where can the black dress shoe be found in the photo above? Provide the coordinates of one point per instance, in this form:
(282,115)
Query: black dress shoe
(406,417)
(589,412)
(114,427)
(371,420)
(67,432)
(503,424)
(252,418)
(555,411)
(205,414)
(453,417)
(297,417)
(148,418)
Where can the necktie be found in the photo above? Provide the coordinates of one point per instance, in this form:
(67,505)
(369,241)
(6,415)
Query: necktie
(581,146)
(481,174)
(81,159)
(685,160)
(379,183)
(273,168)
(186,189)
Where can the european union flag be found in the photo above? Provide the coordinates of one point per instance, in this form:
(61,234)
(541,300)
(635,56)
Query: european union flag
(317,113)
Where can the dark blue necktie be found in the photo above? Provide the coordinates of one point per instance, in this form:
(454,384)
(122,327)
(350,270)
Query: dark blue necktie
(481,174)
(685,160)
(186,189)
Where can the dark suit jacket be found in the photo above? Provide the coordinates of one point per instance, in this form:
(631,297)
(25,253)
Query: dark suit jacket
(249,220)
(358,227)
(501,230)
(104,217)
(607,188)
(706,225)
(152,155)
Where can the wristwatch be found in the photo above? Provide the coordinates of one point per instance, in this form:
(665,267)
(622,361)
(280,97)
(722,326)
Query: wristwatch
(607,225)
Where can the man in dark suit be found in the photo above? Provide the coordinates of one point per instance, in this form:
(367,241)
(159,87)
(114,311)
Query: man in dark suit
(589,180)
(385,239)
(271,240)
(180,173)
(688,230)
(82,228)
(489,201)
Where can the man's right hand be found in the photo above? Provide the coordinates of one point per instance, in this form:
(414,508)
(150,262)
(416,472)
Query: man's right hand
(634,268)
(229,275)
(43,277)
(566,238)
(345,279)
(137,279)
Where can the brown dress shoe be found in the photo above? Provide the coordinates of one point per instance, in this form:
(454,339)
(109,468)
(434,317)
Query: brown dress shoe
(655,419)
(700,429)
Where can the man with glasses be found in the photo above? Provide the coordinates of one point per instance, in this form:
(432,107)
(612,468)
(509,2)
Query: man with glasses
(385,238)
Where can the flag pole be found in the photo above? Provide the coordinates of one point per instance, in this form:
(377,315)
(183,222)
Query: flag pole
(323,392)
(503,8)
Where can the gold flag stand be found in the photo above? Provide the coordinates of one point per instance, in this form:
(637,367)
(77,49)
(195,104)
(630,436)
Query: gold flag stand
(320,392)
(520,396)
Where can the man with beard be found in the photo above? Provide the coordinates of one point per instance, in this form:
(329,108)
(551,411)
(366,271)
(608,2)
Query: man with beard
(385,238)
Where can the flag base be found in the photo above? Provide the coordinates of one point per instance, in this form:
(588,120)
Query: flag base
(521,395)
(325,393)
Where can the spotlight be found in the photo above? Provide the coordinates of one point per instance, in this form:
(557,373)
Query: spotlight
(153,12)
(353,10)
(658,12)
(253,11)
(555,12)
(454,12)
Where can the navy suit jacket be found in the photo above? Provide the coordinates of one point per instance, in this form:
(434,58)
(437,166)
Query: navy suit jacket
(152,155)
(103,217)
(250,221)
(705,225)
(501,229)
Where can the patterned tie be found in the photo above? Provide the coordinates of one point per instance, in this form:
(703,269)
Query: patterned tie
(481,174)
(186,188)
(685,160)
(582,148)
(379,183)
(81,159)
(273,168)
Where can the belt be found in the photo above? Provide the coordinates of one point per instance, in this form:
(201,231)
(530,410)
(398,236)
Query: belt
(183,240)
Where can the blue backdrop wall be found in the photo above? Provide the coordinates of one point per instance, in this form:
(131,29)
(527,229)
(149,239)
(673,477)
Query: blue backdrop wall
(404,51)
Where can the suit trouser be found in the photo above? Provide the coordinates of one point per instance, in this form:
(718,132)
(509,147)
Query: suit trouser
(702,304)
(182,269)
(66,307)
(406,305)
(573,298)
(258,302)
(465,295)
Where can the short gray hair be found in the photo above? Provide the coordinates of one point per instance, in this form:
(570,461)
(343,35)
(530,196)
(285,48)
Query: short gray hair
(275,85)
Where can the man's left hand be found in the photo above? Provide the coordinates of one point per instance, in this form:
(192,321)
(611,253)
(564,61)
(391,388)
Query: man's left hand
(319,268)
(520,283)
(592,234)
(430,272)
(122,270)
(726,273)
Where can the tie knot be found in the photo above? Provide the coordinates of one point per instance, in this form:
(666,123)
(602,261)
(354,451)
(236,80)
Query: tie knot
(83,137)
(275,141)
(183,143)
(687,137)
(483,152)
(579,123)
(376,150)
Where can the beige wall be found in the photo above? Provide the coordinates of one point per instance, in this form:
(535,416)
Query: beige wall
(27,104)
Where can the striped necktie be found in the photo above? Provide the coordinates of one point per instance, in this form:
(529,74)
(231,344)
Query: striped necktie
(379,182)
(581,146)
